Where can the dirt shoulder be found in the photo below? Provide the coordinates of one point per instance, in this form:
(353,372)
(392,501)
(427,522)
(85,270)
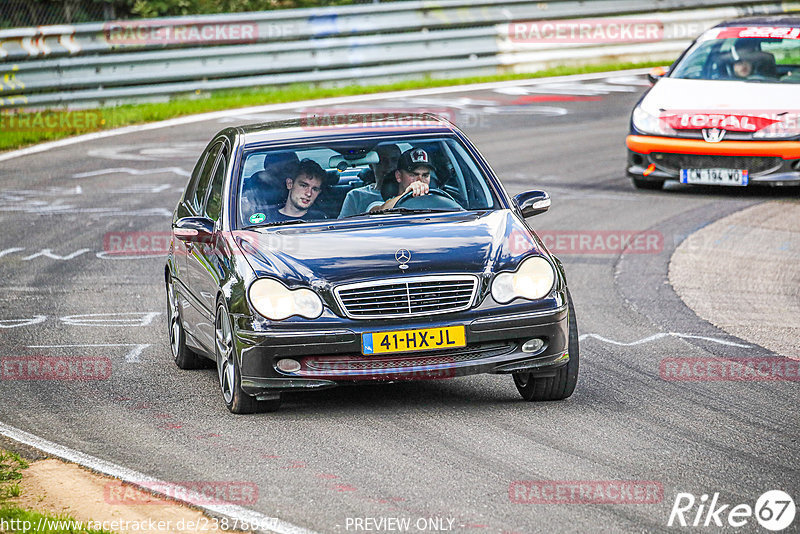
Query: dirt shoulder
(742,274)
(96,501)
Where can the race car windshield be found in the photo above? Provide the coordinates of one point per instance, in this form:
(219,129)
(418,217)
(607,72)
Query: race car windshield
(757,55)
(346,180)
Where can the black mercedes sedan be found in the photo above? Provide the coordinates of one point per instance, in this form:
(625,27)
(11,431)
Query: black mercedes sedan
(372,248)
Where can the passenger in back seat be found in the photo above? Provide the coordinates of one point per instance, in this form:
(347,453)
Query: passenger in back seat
(358,200)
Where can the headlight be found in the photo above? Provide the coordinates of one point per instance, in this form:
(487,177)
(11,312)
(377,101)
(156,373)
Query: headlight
(647,123)
(275,301)
(533,280)
(787,127)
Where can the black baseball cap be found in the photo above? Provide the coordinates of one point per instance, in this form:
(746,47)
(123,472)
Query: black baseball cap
(413,158)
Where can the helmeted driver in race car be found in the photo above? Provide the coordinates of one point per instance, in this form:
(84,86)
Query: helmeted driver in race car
(413,175)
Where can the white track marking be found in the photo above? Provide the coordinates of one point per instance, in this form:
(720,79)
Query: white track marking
(48,253)
(151,484)
(14,323)
(7,251)
(111,319)
(50,191)
(191,119)
(39,207)
(660,335)
(131,357)
(145,188)
(135,172)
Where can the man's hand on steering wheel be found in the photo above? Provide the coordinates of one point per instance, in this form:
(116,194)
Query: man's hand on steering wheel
(416,189)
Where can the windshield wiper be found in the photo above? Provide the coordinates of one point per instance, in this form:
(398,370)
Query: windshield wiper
(279,223)
(405,210)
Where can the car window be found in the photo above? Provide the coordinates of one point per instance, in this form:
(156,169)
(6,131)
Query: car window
(340,180)
(197,199)
(745,54)
(214,201)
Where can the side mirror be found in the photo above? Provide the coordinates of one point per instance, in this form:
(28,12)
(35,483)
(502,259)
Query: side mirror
(532,203)
(656,73)
(193,229)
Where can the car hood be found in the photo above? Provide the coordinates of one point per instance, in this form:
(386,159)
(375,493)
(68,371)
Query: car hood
(360,249)
(671,94)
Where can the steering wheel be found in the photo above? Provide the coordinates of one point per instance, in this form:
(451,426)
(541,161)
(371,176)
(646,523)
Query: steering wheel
(435,199)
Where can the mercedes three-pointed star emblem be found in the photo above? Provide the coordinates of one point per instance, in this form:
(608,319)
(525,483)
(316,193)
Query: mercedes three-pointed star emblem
(403,257)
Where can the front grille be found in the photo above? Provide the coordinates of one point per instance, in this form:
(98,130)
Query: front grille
(698,134)
(755,165)
(407,297)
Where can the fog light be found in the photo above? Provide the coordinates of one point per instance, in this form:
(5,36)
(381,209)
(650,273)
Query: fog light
(288,366)
(533,345)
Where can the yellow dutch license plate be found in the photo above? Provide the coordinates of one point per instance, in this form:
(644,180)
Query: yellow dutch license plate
(448,337)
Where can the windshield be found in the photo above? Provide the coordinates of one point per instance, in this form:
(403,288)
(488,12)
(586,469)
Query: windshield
(748,54)
(356,179)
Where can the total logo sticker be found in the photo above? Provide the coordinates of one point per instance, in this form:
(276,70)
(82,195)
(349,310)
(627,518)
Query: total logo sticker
(774,510)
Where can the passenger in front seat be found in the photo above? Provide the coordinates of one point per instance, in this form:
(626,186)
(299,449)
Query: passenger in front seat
(358,200)
(267,188)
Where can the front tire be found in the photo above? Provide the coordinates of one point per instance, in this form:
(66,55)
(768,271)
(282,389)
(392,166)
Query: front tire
(184,357)
(560,386)
(229,372)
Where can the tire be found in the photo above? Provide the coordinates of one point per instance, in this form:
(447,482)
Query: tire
(229,373)
(183,356)
(560,386)
(656,185)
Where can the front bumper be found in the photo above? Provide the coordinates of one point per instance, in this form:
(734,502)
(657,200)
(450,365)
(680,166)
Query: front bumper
(332,356)
(653,158)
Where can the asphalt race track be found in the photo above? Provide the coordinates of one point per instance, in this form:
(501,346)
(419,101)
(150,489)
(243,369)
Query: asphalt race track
(455,452)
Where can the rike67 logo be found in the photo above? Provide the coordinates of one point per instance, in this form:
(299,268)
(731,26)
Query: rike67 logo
(774,510)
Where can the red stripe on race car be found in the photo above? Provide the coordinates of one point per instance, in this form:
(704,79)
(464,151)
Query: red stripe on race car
(644,144)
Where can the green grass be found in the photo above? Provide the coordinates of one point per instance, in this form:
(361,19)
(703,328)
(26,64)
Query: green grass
(16,519)
(22,129)
(11,466)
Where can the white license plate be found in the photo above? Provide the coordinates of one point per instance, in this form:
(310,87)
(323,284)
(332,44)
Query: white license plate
(714,176)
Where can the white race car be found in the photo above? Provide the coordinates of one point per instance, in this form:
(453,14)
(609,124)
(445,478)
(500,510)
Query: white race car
(726,113)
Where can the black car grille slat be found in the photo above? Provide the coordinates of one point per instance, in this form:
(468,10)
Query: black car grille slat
(358,362)
(412,297)
(755,165)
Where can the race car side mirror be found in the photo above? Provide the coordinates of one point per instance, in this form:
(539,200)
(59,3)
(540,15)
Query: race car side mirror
(656,73)
(532,203)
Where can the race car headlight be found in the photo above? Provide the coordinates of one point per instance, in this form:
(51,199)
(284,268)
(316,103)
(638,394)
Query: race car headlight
(788,127)
(532,280)
(648,123)
(275,301)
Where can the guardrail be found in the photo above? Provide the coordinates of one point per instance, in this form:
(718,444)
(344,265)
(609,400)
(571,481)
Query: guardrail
(109,63)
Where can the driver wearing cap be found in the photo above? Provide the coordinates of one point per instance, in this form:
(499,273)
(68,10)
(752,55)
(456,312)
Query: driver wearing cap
(413,175)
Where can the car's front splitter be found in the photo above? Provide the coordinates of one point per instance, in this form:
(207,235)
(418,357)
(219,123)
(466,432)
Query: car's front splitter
(652,158)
